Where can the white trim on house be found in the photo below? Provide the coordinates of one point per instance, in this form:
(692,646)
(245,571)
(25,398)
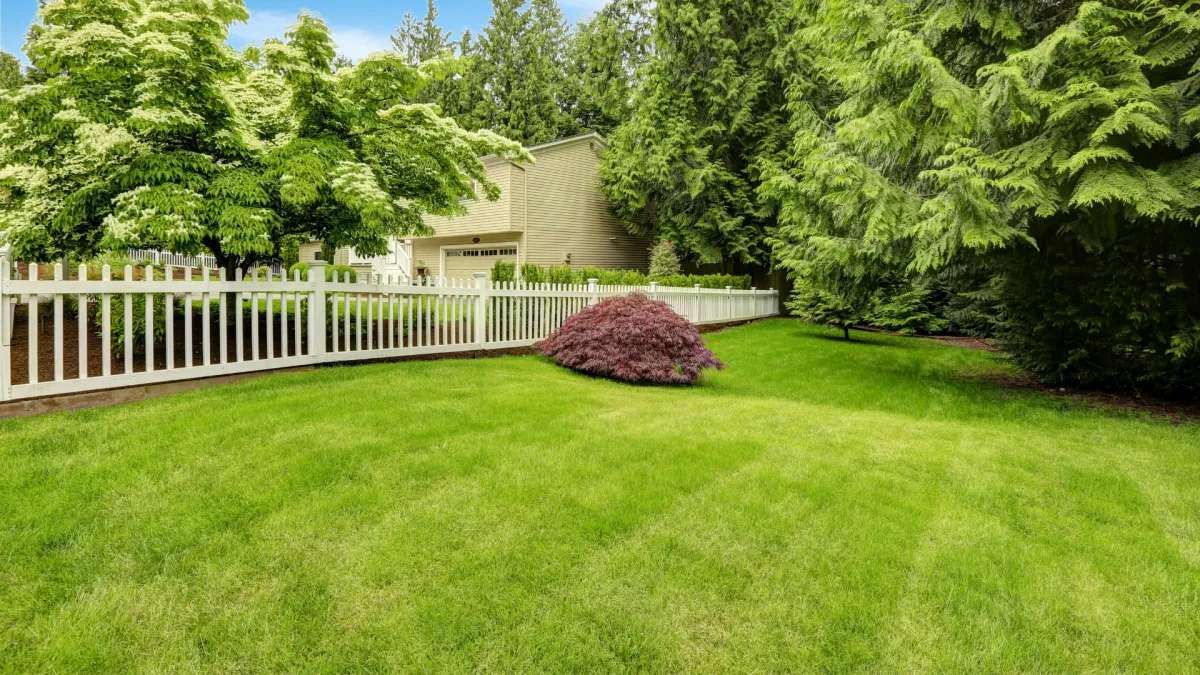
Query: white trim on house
(461,247)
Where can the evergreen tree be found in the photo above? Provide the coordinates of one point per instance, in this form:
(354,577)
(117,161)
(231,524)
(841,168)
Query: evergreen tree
(607,54)
(547,89)
(663,260)
(1055,140)
(513,78)
(684,165)
(420,41)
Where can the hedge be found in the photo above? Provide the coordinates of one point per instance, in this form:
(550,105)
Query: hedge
(563,274)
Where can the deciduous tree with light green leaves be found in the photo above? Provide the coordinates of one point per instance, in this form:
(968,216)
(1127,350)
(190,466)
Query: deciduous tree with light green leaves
(150,131)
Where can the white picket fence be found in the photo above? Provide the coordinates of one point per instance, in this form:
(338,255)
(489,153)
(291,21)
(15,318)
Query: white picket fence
(282,323)
(204,260)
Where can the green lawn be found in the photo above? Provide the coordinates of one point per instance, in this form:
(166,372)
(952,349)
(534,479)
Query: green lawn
(818,506)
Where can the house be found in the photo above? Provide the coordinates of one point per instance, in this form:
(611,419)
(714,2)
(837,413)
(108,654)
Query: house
(549,213)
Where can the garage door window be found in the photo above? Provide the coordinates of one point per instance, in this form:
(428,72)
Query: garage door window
(481,252)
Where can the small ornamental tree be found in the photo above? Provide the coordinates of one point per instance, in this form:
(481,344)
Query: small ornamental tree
(663,260)
(634,339)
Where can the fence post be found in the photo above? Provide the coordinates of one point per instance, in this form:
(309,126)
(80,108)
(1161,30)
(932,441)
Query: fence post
(6,320)
(594,291)
(754,301)
(729,302)
(481,303)
(316,309)
(698,302)
(653,290)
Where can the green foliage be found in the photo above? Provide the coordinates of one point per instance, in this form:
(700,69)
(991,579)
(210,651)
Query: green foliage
(341,274)
(623,278)
(585,273)
(1125,316)
(514,84)
(607,52)
(526,75)
(738,282)
(504,271)
(684,165)
(1029,141)
(148,131)
(303,269)
(137,304)
(421,41)
(838,306)
(559,274)
(532,273)
(10,71)
(909,307)
(663,260)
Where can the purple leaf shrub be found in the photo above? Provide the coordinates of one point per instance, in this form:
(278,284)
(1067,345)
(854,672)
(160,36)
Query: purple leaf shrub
(631,338)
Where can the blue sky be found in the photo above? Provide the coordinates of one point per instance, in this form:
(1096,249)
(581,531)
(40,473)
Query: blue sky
(359,26)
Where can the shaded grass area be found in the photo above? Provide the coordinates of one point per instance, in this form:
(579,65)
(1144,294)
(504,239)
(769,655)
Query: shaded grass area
(816,506)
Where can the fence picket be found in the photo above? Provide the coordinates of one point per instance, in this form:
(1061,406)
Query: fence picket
(106,325)
(81,317)
(253,317)
(270,319)
(206,317)
(169,319)
(127,345)
(189,345)
(58,326)
(148,273)
(296,305)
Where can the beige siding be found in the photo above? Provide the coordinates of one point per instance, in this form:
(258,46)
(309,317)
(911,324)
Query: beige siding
(309,251)
(568,214)
(482,216)
(429,250)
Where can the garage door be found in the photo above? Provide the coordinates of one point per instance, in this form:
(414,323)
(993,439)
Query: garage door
(465,262)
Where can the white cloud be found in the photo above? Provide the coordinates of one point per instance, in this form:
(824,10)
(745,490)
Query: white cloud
(357,43)
(354,42)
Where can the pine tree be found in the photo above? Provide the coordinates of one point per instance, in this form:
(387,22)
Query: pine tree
(684,165)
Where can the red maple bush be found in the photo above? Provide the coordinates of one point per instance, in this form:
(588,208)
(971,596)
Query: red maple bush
(631,338)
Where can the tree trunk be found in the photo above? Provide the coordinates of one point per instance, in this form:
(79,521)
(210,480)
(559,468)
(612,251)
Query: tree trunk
(846,332)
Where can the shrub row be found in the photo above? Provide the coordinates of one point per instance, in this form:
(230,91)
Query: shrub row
(563,274)
(330,270)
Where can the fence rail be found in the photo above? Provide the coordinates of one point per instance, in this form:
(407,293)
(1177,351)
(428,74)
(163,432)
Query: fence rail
(162,323)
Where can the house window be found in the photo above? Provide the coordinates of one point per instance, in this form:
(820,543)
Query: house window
(474,192)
